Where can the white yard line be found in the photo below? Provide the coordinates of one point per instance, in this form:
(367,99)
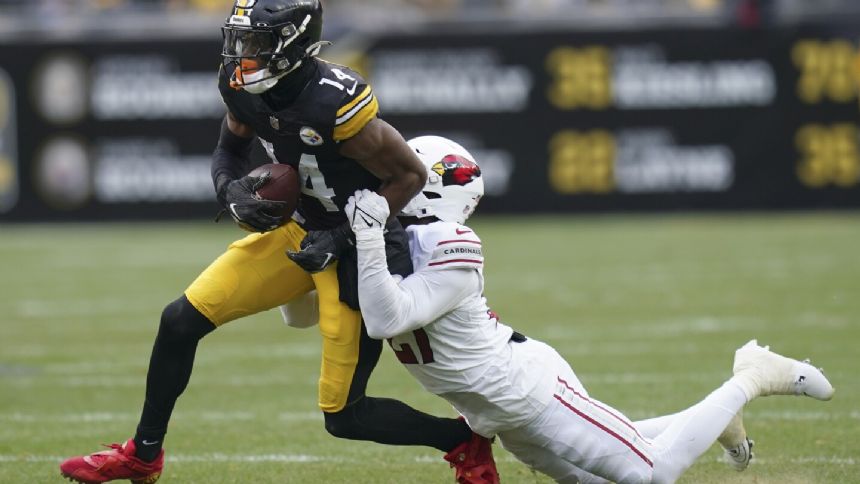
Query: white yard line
(106,381)
(424,459)
(310,416)
(181,458)
(88,417)
(103,381)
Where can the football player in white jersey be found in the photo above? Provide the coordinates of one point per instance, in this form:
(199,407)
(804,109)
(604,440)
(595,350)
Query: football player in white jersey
(439,325)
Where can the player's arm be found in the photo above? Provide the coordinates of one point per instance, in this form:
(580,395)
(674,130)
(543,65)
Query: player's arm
(232,154)
(378,147)
(381,149)
(235,190)
(390,307)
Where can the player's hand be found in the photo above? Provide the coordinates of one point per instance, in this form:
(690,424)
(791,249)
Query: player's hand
(248,210)
(367,210)
(322,247)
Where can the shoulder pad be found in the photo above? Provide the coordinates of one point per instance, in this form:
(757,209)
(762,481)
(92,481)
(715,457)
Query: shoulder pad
(356,105)
(456,246)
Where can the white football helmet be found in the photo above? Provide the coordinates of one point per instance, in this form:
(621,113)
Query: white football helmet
(454,184)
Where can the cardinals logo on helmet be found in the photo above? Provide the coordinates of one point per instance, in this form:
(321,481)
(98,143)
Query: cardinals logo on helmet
(456,170)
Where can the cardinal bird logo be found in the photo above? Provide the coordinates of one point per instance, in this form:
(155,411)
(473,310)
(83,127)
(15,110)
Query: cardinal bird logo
(456,170)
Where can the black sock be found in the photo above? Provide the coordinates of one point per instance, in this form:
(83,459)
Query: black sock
(170,367)
(392,422)
(147,449)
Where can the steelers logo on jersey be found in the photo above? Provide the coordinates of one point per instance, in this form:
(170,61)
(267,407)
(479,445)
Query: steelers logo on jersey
(456,170)
(310,136)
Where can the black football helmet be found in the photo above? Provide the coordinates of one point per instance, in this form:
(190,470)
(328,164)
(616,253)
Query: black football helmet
(266,39)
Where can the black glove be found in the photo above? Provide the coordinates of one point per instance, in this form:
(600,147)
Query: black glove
(248,210)
(322,247)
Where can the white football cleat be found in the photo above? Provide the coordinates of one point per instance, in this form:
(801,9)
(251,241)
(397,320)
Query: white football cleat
(736,445)
(739,457)
(761,372)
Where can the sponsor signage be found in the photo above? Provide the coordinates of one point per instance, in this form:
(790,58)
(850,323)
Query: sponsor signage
(667,119)
(560,121)
(9,173)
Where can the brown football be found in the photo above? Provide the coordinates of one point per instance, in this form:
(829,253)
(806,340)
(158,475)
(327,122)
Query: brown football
(283,186)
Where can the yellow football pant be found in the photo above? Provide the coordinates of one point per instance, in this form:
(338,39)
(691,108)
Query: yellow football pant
(255,274)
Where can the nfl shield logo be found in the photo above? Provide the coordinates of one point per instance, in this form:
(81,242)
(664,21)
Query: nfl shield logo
(274,122)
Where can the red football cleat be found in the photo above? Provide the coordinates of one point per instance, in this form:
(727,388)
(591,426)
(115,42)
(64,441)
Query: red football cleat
(117,463)
(473,461)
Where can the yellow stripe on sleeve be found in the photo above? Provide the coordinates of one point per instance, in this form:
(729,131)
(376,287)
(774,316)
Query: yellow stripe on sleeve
(350,127)
(345,108)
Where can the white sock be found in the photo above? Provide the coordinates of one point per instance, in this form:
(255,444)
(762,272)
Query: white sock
(650,428)
(747,384)
(695,429)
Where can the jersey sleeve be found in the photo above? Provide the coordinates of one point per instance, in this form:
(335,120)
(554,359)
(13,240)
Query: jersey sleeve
(355,110)
(390,308)
(456,247)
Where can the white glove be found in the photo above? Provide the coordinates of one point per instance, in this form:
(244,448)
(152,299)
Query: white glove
(366,211)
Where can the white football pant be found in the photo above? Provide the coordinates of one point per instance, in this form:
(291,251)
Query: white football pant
(580,439)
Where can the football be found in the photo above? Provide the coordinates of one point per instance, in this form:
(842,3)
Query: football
(283,186)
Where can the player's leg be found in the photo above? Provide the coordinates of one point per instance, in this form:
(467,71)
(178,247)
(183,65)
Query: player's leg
(737,447)
(540,458)
(601,440)
(234,285)
(385,420)
(590,434)
(757,372)
(238,283)
(349,357)
(170,364)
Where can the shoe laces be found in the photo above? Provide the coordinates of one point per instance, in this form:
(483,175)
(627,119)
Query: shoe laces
(98,458)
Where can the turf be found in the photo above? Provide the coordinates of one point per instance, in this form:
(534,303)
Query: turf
(647,309)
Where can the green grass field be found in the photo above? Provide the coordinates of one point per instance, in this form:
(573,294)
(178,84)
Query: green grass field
(648,310)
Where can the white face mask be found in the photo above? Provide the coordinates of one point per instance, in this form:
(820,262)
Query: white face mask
(261,81)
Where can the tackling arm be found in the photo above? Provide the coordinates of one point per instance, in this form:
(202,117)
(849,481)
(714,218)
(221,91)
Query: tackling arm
(390,308)
(382,150)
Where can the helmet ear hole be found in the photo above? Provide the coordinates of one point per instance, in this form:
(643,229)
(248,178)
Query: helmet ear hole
(432,195)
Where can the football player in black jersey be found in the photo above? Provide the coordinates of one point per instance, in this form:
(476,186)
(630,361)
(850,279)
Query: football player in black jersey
(320,118)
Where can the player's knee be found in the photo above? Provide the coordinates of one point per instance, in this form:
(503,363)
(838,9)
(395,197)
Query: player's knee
(340,424)
(182,322)
(345,424)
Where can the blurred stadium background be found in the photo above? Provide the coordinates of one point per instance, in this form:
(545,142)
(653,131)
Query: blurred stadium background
(666,179)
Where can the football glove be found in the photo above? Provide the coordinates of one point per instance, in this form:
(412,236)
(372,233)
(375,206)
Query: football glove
(367,210)
(248,210)
(320,248)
